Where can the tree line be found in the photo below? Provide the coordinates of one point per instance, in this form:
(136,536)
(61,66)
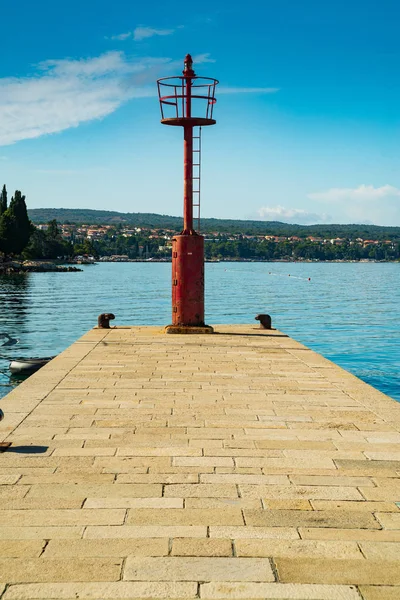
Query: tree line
(82,216)
(19,237)
(223,248)
(141,246)
(245,249)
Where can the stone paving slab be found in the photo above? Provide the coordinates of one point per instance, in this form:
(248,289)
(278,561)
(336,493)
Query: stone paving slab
(234,465)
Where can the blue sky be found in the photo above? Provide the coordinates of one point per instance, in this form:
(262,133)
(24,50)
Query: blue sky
(308,113)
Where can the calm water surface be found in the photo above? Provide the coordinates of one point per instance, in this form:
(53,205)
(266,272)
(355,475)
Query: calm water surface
(349,312)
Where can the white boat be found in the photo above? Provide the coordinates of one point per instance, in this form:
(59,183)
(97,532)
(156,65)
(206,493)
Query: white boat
(27,366)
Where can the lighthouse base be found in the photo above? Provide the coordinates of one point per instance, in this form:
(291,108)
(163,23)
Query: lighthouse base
(188,329)
(188,283)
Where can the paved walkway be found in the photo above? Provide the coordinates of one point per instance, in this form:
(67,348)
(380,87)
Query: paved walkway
(234,465)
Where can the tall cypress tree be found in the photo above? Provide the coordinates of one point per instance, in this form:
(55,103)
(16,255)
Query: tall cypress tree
(5,223)
(53,232)
(21,227)
(3,200)
(7,233)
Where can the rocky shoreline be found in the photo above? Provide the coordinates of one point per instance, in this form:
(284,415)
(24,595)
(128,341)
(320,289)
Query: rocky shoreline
(33,266)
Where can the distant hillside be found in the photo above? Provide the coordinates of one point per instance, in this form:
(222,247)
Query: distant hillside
(155,221)
(103,217)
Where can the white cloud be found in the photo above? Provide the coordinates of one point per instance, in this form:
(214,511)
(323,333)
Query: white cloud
(86,67)
(290,215)
(61,94)
(120,37)
(363,204)
(64,93)
(141,33)
(203,58)
(362,193)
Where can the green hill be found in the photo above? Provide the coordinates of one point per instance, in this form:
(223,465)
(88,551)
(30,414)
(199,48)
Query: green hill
(155,221)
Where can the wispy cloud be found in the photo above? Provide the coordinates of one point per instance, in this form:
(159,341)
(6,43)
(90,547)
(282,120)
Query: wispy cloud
(203,58)
(61,94)
(120,37)
(362,193)
(64,93)
(290,215)
(142,33)
(363,204)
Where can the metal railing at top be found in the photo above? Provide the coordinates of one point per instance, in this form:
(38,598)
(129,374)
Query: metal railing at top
(178,97)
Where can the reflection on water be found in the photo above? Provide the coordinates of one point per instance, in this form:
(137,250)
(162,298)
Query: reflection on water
(14,299)
(346,311)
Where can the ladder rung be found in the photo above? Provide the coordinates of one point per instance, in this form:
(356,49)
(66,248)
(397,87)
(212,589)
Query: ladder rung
(196,203)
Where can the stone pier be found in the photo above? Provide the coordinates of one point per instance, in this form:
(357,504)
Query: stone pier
(234,465)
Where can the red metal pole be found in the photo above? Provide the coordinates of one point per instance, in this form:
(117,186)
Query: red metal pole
(188,73)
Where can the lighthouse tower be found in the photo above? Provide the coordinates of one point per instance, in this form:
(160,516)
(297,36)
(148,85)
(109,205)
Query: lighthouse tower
(180,97)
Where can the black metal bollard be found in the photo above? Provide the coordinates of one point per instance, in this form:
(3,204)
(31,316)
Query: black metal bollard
(103,321)
(265,321)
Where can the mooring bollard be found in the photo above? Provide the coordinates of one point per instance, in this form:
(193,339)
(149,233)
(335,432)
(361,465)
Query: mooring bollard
(265,321)
(103,321)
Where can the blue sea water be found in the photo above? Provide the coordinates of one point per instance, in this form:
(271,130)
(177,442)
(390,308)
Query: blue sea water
(349,312)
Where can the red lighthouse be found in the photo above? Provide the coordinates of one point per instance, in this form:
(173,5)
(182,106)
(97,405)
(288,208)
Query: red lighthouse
(181,97)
